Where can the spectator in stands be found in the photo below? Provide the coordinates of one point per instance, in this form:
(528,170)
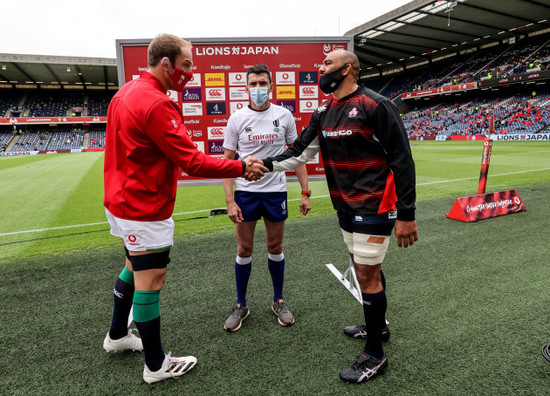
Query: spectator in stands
(142,157)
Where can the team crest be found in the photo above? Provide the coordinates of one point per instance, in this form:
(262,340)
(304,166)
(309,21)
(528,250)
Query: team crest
(353,113)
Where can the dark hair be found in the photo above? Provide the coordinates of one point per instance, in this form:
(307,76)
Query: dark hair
(259,69)
(165,45)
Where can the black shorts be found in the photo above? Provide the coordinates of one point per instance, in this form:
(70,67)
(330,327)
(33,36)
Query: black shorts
(381,224)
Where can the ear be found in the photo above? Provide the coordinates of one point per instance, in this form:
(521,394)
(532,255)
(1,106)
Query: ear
(165,61)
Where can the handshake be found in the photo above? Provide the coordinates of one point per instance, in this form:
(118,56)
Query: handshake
(255,168)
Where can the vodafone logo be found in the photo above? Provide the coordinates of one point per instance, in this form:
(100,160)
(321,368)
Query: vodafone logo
(132,238)
(285,78)
(239,77)
(239,106)
(308,106)
(517,201)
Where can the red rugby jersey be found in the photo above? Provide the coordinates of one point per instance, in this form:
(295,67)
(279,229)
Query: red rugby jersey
(146,142)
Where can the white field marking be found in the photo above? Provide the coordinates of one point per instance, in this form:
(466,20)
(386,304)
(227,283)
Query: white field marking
(295,199)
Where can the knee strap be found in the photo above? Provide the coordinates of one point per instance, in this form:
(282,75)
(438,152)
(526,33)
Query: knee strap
(150,261)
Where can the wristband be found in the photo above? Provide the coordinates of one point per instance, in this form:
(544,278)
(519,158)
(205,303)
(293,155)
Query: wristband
(306,193)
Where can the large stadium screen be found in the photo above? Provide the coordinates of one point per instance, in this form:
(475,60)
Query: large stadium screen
(219,78)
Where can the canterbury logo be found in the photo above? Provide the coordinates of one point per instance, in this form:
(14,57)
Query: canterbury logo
(118,294)
(308,91)
(215,92)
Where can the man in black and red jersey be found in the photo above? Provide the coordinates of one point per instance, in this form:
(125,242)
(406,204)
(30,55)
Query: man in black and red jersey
(370,174)
(146,145)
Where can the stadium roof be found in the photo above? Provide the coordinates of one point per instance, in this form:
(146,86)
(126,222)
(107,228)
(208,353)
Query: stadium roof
(48,71)
(413,34)
(427,30)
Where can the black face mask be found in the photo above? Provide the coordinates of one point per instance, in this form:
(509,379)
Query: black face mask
(329,82)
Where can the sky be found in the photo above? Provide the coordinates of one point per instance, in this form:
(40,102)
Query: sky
(89,29)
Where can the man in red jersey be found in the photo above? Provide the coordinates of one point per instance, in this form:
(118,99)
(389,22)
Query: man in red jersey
(146,144)
(371,179)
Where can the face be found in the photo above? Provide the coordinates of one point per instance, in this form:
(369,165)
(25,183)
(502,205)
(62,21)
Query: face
(332,62)
(258,81)
(184,62)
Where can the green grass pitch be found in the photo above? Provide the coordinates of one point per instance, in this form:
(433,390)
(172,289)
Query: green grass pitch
(468,303)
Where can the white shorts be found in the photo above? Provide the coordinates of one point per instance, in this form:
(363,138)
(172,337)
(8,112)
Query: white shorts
(142,236)
(366,249)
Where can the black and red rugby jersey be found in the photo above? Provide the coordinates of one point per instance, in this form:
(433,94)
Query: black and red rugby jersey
(366,154)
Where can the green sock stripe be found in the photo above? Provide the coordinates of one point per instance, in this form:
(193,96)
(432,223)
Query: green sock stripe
(127,276)
(146,305)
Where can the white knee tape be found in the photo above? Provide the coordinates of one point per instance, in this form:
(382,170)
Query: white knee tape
(369,249)
(348,239)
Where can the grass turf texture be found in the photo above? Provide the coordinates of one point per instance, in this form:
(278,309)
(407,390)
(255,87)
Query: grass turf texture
(467,303)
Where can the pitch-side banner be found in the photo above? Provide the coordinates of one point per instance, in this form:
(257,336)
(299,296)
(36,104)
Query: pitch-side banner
(485,206)
(219,78)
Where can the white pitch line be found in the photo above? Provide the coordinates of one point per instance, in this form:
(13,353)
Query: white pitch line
(296,199)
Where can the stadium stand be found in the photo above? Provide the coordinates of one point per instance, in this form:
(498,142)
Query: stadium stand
(5,139)
(97,139)
(422,56)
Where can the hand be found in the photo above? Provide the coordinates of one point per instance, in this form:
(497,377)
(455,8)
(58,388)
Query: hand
(255,168)
(234,212)
(305,205)
(405,233)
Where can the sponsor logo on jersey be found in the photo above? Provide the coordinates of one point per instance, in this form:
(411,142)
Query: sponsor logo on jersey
(192,109)
(214,79)
(216,133)
(308,77)
(342,132)
(288,104)
(285,78)
(286,92)
(215,108)
(191,95)
(215,94)
(309,91)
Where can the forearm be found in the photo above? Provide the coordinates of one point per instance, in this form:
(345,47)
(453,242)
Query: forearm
(301,174)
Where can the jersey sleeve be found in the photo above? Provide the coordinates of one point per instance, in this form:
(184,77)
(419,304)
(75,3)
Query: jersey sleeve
(390,131)
(231,136)
(304,149)
(165,127)
(290,123)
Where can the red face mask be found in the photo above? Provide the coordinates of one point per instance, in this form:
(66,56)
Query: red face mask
(179,77)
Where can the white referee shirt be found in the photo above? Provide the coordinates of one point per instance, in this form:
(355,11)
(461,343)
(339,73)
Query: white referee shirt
(261,134)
